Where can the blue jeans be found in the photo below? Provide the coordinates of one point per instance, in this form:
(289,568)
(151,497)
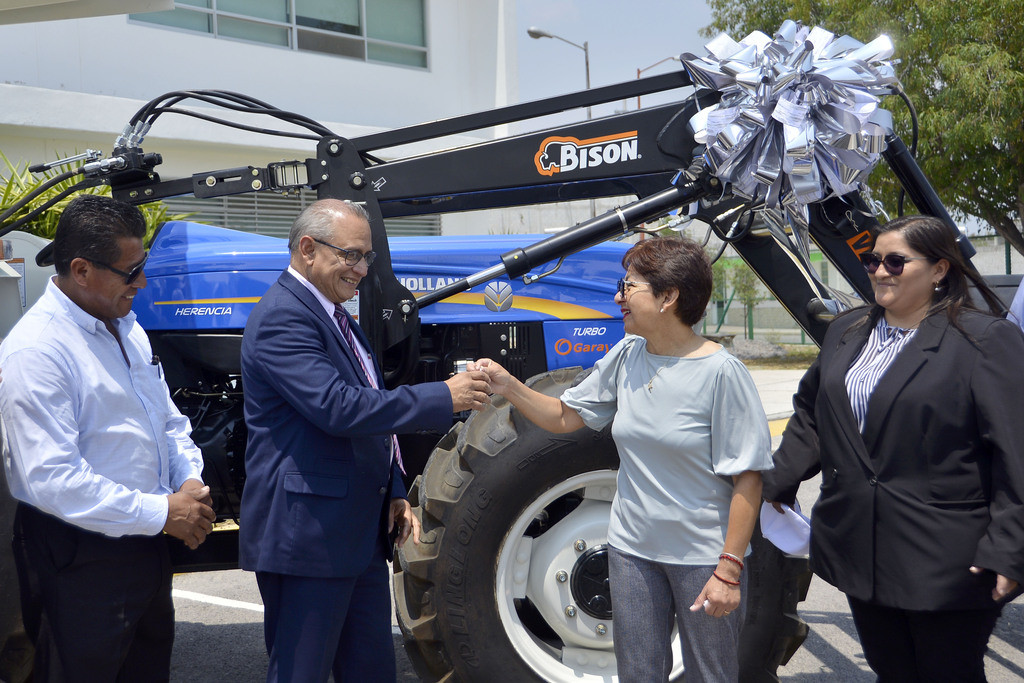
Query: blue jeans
(647,597)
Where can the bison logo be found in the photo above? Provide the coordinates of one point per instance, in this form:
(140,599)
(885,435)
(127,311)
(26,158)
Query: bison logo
(561,154)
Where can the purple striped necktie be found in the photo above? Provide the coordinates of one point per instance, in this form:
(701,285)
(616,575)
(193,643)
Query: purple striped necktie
(346,331)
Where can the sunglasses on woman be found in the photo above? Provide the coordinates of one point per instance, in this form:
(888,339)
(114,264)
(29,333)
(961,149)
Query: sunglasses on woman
(893,262)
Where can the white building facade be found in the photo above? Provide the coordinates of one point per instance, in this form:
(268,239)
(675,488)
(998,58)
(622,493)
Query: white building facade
(356,66)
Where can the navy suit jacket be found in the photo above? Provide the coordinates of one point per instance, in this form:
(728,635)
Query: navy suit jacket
(935,483)
(318,477)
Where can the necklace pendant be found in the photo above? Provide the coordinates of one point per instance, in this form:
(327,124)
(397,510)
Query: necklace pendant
(650,383)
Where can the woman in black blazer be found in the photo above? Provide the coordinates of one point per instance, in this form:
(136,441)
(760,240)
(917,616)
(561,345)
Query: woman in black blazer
(911,413)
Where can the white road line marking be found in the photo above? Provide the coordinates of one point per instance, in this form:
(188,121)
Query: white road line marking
(237,604)
(214,600)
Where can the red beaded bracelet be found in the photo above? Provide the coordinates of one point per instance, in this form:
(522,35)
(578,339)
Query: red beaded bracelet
(732,558)
(725,581)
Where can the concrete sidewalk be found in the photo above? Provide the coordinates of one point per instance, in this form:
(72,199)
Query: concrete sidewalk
(776,388)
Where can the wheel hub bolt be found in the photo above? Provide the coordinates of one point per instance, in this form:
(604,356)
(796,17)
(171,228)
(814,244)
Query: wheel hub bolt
(570,611)
(562,576)
(580,545)
(601,629)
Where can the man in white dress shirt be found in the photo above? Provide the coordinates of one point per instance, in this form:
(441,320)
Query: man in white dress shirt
(99,459)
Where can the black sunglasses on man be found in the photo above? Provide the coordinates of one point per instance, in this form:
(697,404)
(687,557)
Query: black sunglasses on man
(130,276)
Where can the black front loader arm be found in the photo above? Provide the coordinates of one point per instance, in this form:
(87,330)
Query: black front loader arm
(638,154)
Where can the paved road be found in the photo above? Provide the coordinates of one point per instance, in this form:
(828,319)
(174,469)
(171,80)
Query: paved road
(220,637)
(219,630)
(832,652)
(223,643)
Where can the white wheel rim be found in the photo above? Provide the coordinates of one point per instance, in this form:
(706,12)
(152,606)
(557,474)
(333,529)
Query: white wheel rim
(527,567)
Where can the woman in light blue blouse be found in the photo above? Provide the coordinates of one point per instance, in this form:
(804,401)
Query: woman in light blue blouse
(692,439)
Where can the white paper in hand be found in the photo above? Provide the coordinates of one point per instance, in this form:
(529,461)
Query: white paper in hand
(790,532)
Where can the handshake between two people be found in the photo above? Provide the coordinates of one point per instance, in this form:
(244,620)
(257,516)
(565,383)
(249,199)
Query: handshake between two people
(472,388)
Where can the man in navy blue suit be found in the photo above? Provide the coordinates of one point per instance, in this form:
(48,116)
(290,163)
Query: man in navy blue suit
(324,487)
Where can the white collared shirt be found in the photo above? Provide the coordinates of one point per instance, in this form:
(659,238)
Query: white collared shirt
(87,438)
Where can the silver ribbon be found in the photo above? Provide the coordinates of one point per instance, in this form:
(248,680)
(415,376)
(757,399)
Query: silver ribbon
(798,119)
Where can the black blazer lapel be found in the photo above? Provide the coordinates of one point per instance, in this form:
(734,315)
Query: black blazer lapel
(908,363)
(849,346)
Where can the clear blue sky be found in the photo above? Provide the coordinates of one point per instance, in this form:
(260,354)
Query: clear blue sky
(622,35)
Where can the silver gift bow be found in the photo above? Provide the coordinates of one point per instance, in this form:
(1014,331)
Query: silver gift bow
(798,119)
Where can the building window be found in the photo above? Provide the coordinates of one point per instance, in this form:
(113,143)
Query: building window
(271,214)
(390,31)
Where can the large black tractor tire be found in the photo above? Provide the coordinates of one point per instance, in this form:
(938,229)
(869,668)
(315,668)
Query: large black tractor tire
(509,581)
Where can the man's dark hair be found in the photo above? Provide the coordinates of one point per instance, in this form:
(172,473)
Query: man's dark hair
(91,227)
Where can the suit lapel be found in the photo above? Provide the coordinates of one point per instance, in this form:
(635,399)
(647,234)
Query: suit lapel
(306,297)
(908,363)
(357,332)
(849,346)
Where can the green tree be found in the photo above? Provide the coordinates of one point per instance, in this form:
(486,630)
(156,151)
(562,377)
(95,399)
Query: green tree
(747,290)
(961,64)
(720,279)
(719,290)
(16,182)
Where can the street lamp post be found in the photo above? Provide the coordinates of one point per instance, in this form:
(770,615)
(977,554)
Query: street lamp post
(660,61)
(535,32)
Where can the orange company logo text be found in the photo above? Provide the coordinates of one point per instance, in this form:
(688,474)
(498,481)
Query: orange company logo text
(563,347)
(559,154)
